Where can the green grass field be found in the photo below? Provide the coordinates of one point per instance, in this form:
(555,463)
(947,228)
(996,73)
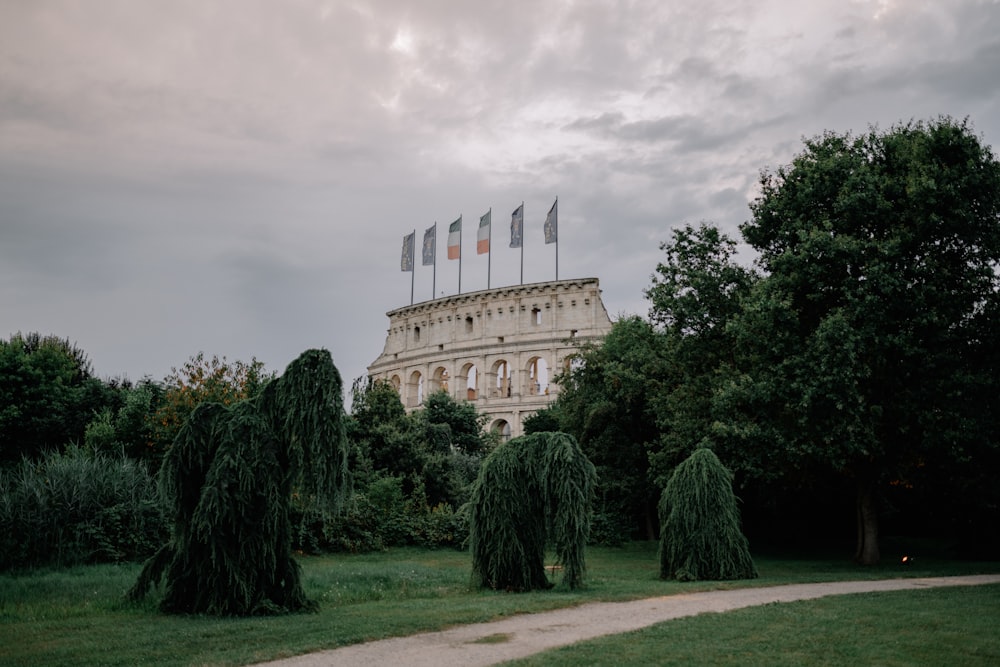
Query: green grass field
(940,626)
(79,617)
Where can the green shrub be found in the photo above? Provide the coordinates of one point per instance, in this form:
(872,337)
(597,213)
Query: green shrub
(78,507)
(379,517)
(701,537)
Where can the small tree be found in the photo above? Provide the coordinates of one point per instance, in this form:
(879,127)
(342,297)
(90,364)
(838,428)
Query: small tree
(701,537)
(531,490)
(201,380)
(229,478)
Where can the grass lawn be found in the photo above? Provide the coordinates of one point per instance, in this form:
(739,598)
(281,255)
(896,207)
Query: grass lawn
(78,616)
(939,626)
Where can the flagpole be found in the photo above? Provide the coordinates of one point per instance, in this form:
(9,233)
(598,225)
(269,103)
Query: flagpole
(460,256)
(557,238)
(413,266)
(434,281)
(489,251)
(522,241)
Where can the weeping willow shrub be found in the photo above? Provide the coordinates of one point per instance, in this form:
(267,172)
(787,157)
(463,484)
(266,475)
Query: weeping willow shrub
(531,491)
(701,537)
(229,478)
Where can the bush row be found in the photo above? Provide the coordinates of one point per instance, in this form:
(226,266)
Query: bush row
(78,507)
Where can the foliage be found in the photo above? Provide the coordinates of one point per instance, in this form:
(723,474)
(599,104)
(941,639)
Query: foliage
(77,506)
(870,347)
(435,451)
(465,425)
(47,395)
(129,427)
(607,402)
(229,478)
(201,380)
(530,490)
(701,536)
(546,419)
(696,292)
(376,518)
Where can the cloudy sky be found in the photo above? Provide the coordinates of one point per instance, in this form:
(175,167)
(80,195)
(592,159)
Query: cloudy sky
(236,176)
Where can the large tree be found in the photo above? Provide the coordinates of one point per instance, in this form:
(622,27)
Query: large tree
(607,401)
(697,290)
(532,491)
(868,350)
(228,479)
(48,393)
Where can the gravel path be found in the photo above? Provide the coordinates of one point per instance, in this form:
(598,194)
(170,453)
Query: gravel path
(525,634)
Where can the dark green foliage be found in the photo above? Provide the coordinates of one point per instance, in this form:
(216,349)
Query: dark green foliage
(127,425)
(229,479)
(869,350)
(531,491)
(546,419)
(701,537)
(607,402)
(464,424)
(47,395)
(696,292)
(75,507)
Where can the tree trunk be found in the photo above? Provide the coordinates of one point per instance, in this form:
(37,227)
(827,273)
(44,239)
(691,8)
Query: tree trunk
(650,513)
(867,552)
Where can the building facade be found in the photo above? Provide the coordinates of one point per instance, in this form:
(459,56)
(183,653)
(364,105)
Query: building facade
(499,348)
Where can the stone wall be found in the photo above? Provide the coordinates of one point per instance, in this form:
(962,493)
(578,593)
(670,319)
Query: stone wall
(499,348)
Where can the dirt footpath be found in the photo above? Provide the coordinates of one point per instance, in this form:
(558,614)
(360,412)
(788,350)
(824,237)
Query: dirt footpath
(522,635)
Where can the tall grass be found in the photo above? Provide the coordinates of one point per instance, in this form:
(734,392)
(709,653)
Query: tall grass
(77,507)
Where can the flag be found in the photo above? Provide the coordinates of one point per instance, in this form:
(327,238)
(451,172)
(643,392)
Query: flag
(430,245)
(552,223)
(455,239)
(406,262)
(483,235)
(516,226)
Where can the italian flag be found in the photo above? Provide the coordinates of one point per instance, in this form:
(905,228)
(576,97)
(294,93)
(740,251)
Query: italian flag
(455,239)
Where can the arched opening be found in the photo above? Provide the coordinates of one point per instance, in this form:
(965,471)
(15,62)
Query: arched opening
(499,380)
(396,382)
(501,427)
(537,377)
(439,379)
(469,381)
(415,390)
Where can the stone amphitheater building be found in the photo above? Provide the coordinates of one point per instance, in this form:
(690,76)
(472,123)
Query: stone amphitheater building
(499,348)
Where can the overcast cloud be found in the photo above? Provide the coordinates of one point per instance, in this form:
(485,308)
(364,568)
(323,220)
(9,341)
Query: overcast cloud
(236,177)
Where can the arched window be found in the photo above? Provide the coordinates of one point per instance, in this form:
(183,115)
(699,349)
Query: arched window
(499,380)
(502,427)
(415,390)
(537,377)
(469,380)
(439,380)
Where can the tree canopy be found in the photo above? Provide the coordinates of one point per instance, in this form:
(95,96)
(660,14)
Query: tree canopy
(531,491)
(607,401)
(47,395)
(869,347)
(701,537)
(229,478)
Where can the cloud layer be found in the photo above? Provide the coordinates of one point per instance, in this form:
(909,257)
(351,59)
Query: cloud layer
(236,177)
